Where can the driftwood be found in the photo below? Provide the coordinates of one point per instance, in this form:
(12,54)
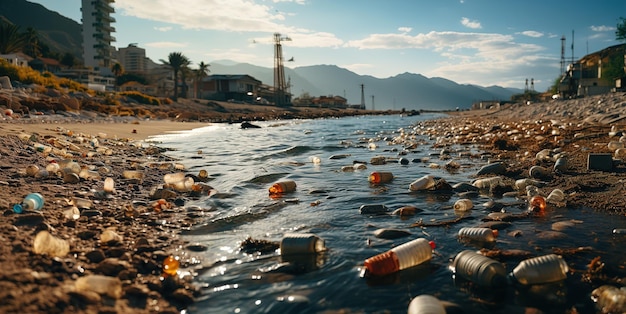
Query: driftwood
(444,223)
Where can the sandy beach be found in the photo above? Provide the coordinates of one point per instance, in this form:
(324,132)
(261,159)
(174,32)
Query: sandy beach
(120,239)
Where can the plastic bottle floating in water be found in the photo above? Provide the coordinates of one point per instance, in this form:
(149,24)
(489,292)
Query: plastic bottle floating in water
(171,265)
(542,269)
(478,269)
(378,177)
(401,257)
(478,234)
(282,187)
(32,201)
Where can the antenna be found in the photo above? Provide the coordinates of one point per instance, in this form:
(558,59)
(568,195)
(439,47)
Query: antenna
(280,87)
(562,54)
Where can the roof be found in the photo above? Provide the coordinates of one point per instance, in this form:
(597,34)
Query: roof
(230,77)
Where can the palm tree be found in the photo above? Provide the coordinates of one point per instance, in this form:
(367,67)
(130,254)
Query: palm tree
(32,43)
(10,38)
(176,61)
(199,74)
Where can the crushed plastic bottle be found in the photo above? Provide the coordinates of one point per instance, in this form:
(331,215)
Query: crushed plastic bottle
(463,205)
(45,243)
(478,269)
(542,269)
(478,234)
(171,265)
(282,187)
(487,183)
(609,299)
(426,304)
(32,201)
(378,177)
(401,257)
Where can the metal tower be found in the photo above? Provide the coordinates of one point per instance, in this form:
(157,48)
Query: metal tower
(562,54)
(362,96)
(280,87)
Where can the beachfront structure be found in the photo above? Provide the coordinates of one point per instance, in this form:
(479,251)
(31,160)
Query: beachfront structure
(233,87)
(133,59)
(18,59)
(97,30)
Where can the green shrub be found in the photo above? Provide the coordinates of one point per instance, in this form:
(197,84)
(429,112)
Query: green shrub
(142,98)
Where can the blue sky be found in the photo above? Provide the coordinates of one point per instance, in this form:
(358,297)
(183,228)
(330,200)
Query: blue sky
(483,42)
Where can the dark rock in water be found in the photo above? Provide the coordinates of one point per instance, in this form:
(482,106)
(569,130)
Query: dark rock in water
(373,209)
(494,206)
(464,187)
(406,211)
(492,168)
(248,125)
(498,225)
(391,233)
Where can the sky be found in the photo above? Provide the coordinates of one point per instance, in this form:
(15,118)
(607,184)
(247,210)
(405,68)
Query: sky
(481,42)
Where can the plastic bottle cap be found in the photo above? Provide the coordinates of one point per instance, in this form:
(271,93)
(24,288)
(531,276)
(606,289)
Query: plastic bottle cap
(17,208)
(432,244)
(495,232)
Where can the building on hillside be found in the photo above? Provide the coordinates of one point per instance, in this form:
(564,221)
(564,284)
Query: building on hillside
(97,30)
(488,104)
(17,59)
(133,59)
(330,102)
(585,77)
(89,78)
(46,64)
(230,87)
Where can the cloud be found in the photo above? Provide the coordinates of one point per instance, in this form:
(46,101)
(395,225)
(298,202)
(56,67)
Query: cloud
(163,28)
(533,34)
(470,24)
(405,29)
(601,28)
(166,44)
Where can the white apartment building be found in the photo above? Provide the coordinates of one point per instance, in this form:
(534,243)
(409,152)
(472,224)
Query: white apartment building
(132,58)
(97,30)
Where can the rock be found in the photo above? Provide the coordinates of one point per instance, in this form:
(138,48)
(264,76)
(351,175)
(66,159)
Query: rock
(391,233)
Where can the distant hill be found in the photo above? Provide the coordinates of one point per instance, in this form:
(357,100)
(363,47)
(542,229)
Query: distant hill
(406,90)
(60,33)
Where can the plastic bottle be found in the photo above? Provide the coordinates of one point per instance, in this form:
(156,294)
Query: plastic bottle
(609,299)
(487,183)
(521,184)
(426,182)
(45,243)
(378,177)
(301,243)
(542,269)
(478,234)
(613,145)
(478,269)
(32,201)
(109,185)
(406,255)
(104,285)
(537,204)
(282,187)
(170,178)
(463,204)
(171,265)
(426,304)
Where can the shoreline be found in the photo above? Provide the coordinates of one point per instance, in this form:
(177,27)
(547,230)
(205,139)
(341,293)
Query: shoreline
(127,234)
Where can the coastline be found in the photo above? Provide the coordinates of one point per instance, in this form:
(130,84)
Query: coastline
(148,229)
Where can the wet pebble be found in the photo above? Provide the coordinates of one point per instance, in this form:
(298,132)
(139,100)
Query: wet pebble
(550,235)
(373,209)
(562,225)
(406,211)
(197,247)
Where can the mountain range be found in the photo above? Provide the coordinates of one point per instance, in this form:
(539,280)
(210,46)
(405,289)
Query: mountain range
(407,90)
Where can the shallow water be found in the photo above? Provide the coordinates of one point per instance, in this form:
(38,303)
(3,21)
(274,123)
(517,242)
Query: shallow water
(245,162)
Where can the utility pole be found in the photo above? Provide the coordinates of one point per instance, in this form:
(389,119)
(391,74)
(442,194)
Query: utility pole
(362,96)
(280,87)
(373,105)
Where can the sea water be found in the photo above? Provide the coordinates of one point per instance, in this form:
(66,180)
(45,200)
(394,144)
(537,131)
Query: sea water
(244,163)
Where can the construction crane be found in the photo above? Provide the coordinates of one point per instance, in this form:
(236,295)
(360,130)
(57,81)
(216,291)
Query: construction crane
(281,92)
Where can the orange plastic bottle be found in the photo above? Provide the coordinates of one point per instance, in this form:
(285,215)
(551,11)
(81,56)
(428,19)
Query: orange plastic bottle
(283,187)
(170,265)
(537,204)
(378,177)
(401,257)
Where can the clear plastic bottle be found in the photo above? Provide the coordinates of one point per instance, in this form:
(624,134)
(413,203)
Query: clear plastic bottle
(478,234)
(401,257)
(542,269)
(487,183)
(301,243)
(378,177)
(426,182)
(478,269)
(282,187)
(103,285)
(609,299)
(45,243)
(426,304)
(463,204)
(32,201)
(556,197)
